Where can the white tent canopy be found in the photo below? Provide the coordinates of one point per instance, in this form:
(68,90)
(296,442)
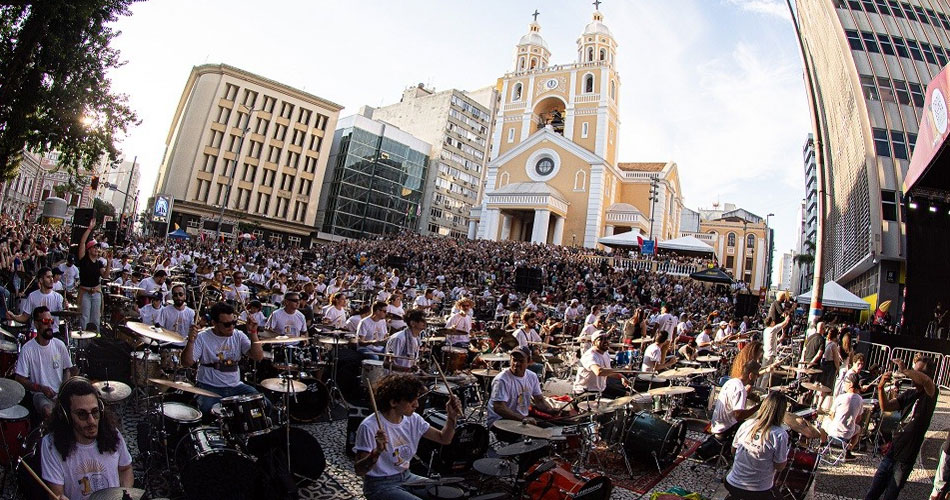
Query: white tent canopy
(835,295)
(627,239)
(686,244)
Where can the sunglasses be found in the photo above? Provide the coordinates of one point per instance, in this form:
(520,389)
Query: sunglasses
(84,415)
(47,321)
(228,324)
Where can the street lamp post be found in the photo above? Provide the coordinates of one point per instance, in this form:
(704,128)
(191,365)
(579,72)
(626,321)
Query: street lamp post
(768,250)
(237,158)
(654,196)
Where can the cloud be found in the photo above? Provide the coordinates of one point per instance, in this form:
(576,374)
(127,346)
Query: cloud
(777,8)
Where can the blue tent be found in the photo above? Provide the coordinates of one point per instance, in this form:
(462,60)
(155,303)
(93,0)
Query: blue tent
(179,234)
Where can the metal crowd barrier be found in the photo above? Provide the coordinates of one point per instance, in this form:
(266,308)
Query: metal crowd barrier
(877,354)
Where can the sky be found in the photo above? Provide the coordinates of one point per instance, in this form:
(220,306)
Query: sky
(714,85)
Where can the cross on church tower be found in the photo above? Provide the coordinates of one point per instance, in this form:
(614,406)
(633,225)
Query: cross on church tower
(597,4)
(536,13)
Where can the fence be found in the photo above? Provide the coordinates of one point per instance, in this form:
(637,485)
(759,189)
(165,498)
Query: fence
(881,355)
(663,267)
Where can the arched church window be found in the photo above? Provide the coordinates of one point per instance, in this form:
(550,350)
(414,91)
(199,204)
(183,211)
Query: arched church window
(603,54)
(750,241)
(613,90)
(521,62)
(590,54)
(516,92)
(534,62)
(731,240)
(588,83)
(503,180)
(580,180)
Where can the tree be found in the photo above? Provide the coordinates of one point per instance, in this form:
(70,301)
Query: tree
(102,208)
(54,92)
(809,256)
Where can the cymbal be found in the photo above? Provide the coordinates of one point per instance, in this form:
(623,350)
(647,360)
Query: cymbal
(283,385)
(801,426)
(288,367)
(112,391)
(678,373)
(133,288)
(443,481)
(671,391)
(708,359)
(7,334)
(155,332)
(815,387)
(183,386)
(490,358)
(806,371)
(282,339)
(66,313)
(119,298)
(434,339)
(545,345)
(644,340)
(118,494)
(624,401)
(626,370)
(495,467)
(596,407)
(521,447)
(523,429)
(646,377)
(486,372)
(333,341)
(83,335)
(703,371)
(11,393)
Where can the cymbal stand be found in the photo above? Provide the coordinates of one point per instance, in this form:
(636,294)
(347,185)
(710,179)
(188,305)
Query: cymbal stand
(336,395)
(142,391)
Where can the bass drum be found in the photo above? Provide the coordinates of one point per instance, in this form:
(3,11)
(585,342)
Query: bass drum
(306,455)
(651,440)
(469,444)
(555,481)
(307,406)
(208,464)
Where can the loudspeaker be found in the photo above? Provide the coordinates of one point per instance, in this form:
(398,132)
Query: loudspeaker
(110,230)
(746,304)
(528,279)
(353,421)
(81,219)
(396,261)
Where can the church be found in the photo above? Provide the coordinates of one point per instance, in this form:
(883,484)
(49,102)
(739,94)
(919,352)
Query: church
(554,175)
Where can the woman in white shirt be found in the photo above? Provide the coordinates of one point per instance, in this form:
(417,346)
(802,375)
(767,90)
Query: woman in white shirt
(395,312)
(761,450)
(842,420)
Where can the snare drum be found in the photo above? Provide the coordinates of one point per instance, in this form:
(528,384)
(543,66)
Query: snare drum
(454,359)
(15,425)
(8,357)
(245,415)
(145,365)
(372,371)
(438,396)
(559,483)
(204,457)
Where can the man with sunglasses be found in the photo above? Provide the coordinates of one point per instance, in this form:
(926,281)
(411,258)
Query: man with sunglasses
(217,351)
(42,296)
(288,320)
(43,363)
(177,316)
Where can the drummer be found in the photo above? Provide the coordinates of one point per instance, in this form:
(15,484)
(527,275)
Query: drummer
(461,322)
(42,296)
(731,405)
(177,316)
(217,351)
(405,343)
(288,320)
(238,292)
(513,392)
(387,440)
(154,283)
(845,414)
(654,357)
(335,314)
(149,313)
(44,363)
(594,371)
(372,332)
(253,315)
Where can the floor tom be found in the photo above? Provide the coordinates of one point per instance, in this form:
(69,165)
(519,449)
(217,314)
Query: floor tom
(650,439)
(14,427)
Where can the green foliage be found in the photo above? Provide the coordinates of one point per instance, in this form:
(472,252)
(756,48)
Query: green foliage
(54,90)
(102,208)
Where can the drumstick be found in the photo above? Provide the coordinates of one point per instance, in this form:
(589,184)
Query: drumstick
(372,400)
(38,480)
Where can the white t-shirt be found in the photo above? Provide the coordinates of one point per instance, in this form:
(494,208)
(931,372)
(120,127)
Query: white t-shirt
(665,322)
(847,410)
(838,389)
(258,317)
(769,339)
(291,325)
(149,285)
(523,337)
(335,317)
(85,470)
(149,314)
(703,338)
(829,354)
(403,440)
(397,324)
(422,301)
(211,348)
(370,329)
(462,322)
(732,397)
(403,344)
(586,380)
(179,321)
(591,319)
(52,300)
(516,393)
(241,291)
(652,356)
(44,364)
(754,466)
(70,275)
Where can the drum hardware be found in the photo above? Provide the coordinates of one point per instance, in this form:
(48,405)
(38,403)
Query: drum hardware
(495,467)
(14,428)
(333,388)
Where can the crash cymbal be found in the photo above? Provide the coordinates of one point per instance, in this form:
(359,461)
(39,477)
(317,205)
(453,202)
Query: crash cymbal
(671,391)
(644,340)
(112,391)
(486,372)
(119,298)
(703,371)
(815,387)
(801,426)
(83,335)
(494,358)
(596,407)
(282,339)
(67,313)
(523,429)
(11,393)
(646,377)
(639,399)
(543,345)
(521,447)
(183,386)
(333,341)
(283,385)
(626,370)
(434,339)
(134,288)
(708,359)
(155,332)
(118,494)
(7,334)
(495,467)
(804,371)
(423,482)
(678,373)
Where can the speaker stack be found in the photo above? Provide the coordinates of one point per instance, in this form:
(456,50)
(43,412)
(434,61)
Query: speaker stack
(528,279)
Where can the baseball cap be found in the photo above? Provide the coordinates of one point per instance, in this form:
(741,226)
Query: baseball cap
(91,243)
(598,334)
(523,351)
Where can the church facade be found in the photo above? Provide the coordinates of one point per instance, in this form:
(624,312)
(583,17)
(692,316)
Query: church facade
(554,175)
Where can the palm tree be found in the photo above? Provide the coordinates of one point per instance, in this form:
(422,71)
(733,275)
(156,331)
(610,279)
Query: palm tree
(809,256)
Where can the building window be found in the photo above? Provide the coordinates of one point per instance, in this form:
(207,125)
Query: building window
(590,54)
(250,97)
(286,109)
(885,91)
(516,93)
(503,180)
(881,147)
(748,265)
(869,89)
(534,62)
(511,135)
(916,94)
(269,103)
(584,129)
(315,142)
(603,54)
(870,41)
(580,180)
(521,62)
(731,239)
(854,40)
(588,83)
(730,262)
(888,205)
(304,116)
(898,146)
(750,241)
(223,114)
(885,43)
(230,92)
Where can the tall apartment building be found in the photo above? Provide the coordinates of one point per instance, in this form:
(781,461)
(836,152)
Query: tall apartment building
(809,224)
(115,182)
(376,180)
(458,126)
(786,272)
(281,158)
(870,63)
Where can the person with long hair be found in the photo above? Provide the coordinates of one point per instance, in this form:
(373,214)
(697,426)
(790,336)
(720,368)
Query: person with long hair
(761,450)
(83,452)
(387,440)
(752,351)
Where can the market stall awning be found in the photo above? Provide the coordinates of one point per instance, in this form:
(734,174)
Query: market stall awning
(835,295)
(686,244)
(623,240)
(179,234)
(712,275)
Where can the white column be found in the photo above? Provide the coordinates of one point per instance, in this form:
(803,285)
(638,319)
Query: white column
(539,233)
(558,230)
(505,227)
(472,228)
(491,224)
(608,230)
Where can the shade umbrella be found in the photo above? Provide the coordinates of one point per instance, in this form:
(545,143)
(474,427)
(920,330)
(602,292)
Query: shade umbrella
(712,275)
(179,234)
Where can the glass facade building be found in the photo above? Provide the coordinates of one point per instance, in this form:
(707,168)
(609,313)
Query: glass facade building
(376,180)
